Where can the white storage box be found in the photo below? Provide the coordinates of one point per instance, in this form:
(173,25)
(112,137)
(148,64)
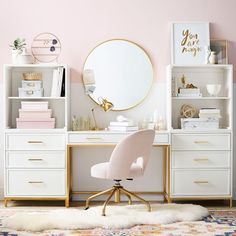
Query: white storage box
(31,84)
(34,106)
(23,123)
(26,92)
(40,114)
(199,123)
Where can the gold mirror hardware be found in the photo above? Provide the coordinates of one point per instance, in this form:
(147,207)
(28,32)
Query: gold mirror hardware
(121,65)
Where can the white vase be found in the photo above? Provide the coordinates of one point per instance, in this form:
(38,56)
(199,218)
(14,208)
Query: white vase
(213,58)
(15,55)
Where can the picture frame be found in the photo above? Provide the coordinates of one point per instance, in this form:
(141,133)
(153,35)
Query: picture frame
(189,42)
(220,46)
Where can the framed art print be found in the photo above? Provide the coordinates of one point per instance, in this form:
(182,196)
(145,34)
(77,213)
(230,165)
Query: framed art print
(189,42)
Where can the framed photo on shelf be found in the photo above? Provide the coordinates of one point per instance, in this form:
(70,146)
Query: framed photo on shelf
(220,47)
(189,41)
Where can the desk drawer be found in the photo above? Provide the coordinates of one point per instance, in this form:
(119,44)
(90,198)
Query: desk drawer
(201,182)
(35,142)
(161,138)
(201,142)
(95,138)
(200,159)
(35,159)
(36,183)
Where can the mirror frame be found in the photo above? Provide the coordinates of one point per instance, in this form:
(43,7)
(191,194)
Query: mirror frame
(149,58)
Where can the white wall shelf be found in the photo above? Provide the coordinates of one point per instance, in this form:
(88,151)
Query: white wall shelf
(208,177)
(22,145)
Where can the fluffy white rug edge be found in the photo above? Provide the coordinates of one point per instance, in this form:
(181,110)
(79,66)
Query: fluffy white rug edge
(117,217)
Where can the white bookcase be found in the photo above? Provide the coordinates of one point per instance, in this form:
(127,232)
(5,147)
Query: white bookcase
(201,160)
(35,159)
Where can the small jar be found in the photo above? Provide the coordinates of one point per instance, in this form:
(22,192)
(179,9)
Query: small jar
(213,58)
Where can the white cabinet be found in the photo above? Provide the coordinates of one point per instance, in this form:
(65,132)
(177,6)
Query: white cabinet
(35,159)
(201,159)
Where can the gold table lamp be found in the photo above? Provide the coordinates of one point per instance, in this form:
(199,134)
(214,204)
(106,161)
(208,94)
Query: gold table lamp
(106,105)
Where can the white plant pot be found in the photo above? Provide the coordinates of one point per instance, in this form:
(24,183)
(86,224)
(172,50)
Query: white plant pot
(15,56)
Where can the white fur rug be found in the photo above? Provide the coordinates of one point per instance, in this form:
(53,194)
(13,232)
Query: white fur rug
(116,217)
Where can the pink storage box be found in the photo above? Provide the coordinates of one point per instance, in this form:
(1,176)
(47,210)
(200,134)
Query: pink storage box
(34,106)
(30,114)
(23,123)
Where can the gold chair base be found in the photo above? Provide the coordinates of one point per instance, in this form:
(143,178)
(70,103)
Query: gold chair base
(116,189)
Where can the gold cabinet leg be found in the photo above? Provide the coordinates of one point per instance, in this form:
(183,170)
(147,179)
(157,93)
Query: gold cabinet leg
(67,202)
(231,202)
(5,202)
(169,200)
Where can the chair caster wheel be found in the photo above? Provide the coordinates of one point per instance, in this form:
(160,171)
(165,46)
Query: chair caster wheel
(103,214)
(86,208)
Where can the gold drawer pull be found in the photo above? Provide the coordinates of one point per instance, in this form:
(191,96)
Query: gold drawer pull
(34,141)
(201,159)
(35,182)
(201,142)
(201,182)
(94,138)
(35,159)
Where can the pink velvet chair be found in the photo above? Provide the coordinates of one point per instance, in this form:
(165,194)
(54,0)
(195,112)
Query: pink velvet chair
(128,160)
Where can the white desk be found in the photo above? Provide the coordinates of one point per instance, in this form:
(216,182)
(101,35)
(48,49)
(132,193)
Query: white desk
(106,138)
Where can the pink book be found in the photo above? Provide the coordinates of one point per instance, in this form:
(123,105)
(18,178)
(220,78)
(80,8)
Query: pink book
(32,114)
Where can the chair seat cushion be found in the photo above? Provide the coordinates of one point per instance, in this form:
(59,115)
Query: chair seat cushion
(100,171)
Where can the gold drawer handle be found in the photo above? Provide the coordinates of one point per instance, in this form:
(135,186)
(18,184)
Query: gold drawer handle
(94,138)
(35,159)
(201,182)
(201,159)
(35,141)
(201,142)
(35,182)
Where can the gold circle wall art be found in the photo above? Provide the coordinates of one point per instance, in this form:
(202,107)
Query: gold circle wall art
(46,47)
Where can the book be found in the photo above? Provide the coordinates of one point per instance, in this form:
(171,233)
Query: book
(57,82)
(189,95)
(209,110)
(63,86)
(123,128)
(189,90)
(121,123)
(55,78)
(210,115)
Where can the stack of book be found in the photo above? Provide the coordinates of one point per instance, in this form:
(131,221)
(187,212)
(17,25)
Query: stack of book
(58,82)
(213,113)
(35,115)
(189,92)
(122,126)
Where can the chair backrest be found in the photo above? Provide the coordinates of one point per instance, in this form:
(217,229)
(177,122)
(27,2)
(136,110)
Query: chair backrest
(136,146)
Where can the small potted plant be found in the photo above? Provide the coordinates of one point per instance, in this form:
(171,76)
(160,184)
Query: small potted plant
(18,47)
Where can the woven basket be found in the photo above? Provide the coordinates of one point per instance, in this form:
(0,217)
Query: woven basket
(32,76)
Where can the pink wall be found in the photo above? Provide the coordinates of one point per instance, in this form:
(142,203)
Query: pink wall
(81,24)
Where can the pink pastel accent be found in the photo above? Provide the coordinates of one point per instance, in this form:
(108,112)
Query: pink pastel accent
(23,123)
(128,159)
(32,114)
(35,106)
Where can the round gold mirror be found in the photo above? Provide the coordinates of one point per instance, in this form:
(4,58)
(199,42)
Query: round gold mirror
(119,71)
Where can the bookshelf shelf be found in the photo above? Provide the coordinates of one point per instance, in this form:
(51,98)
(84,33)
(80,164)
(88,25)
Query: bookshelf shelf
(37,98)
(201,98)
